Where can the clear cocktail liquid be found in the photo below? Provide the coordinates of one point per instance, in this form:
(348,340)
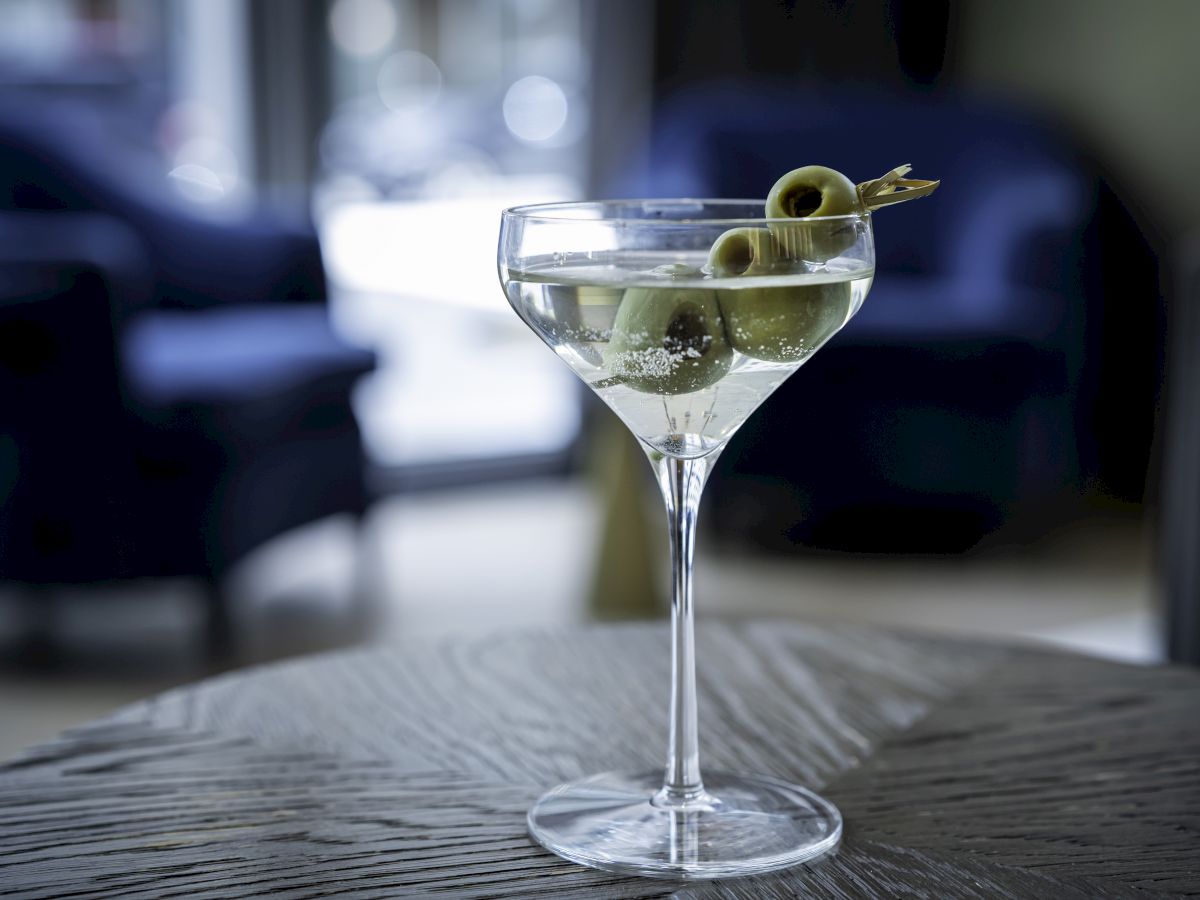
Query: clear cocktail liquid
(681,356)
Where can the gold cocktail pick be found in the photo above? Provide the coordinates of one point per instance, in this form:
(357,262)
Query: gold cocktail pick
(894,188)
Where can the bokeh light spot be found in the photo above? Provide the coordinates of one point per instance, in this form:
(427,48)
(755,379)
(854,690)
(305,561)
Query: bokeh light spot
(535,108)
(409,81)
(362,27)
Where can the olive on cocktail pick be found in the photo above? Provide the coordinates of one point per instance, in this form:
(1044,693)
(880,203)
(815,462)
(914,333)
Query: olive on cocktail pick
(668,340)
(808,208)
(776,324)
(813,192)
(742,251)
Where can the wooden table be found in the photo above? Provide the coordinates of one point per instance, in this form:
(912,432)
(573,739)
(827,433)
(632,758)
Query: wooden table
(962,769)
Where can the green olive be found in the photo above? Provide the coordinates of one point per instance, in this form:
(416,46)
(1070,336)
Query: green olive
(811,192)
(668,340)
(808,193)
(776,324)
(743,251)
(784,324)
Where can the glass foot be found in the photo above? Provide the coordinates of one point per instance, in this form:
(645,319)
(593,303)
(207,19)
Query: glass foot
(742,825)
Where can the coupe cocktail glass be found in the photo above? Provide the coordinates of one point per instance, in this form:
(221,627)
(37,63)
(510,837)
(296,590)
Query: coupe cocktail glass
(683,316)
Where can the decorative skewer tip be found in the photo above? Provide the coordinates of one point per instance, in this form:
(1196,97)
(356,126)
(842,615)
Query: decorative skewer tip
(894,188)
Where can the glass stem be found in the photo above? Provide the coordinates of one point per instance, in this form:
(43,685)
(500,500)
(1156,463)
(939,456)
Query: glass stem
(681,482)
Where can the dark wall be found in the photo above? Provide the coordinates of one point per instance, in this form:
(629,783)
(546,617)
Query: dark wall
(889,42)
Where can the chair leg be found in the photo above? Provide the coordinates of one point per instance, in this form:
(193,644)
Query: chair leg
(40,648)
(366,608)
(218,626)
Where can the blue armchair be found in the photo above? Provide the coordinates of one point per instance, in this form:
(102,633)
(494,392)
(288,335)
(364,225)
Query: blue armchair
(174,392)
(966,395)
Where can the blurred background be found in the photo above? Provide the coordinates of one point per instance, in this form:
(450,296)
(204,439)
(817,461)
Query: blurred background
(260,393)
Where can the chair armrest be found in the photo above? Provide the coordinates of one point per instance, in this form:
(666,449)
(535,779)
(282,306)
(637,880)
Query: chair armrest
(67,241)
(57,345)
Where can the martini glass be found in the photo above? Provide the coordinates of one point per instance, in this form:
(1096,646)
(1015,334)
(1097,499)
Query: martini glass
(683,316)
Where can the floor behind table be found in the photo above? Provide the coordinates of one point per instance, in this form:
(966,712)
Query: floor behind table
(520,554)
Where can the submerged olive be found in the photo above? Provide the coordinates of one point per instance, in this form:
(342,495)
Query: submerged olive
(784,324)
(668,340)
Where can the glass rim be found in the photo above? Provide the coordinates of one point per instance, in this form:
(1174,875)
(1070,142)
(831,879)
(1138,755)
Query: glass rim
(543,212)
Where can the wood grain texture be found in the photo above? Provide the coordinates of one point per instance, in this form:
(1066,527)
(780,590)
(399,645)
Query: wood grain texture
(963,770)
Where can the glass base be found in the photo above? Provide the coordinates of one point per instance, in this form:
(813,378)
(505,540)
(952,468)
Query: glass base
(740,825)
